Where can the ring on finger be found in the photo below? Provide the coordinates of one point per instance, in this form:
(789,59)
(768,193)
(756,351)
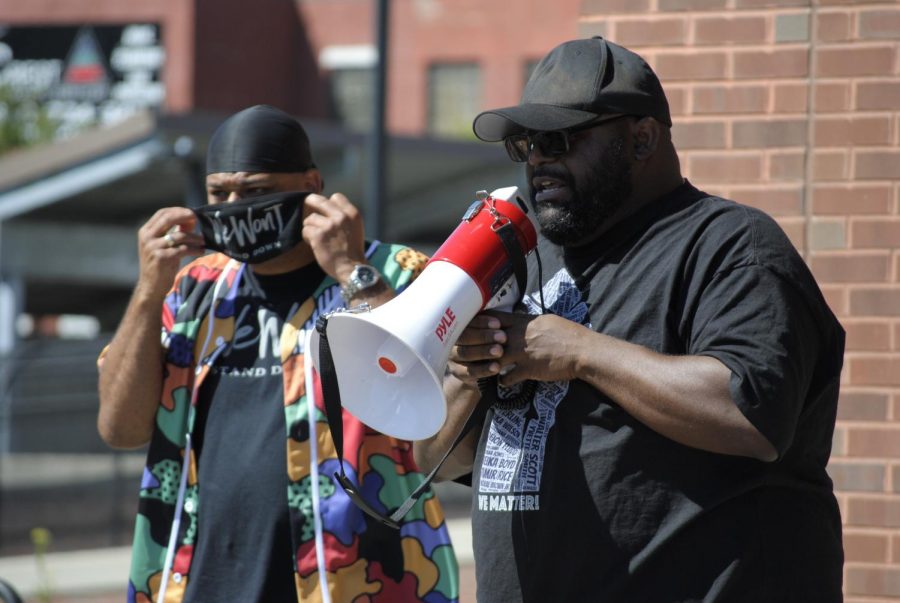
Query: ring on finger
(170,241)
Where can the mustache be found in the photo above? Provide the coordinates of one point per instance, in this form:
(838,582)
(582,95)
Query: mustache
(556,173)
(551,171)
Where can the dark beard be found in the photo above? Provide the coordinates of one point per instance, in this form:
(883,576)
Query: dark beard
(593,201)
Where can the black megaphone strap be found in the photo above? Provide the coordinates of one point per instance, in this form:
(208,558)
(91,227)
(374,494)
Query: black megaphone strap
(507,234)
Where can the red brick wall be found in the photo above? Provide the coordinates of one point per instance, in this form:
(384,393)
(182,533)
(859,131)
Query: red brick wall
(794,107)
(255,52)
(501,37)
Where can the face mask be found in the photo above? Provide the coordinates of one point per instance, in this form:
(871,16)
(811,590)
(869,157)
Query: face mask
(254,230)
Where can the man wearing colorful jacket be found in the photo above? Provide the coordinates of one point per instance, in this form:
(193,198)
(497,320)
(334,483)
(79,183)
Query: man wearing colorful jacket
(238,501)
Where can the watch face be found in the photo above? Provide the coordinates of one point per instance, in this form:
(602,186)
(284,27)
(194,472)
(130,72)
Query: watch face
(366,275)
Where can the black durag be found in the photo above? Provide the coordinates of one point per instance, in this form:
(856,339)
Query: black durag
(259,139)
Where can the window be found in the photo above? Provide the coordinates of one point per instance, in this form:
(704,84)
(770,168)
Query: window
(352,97)
(454,99)
(351,73)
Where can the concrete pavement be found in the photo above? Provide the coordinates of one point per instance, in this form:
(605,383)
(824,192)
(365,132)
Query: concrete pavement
(100,575)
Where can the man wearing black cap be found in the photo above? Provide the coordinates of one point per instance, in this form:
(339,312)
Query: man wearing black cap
(238,500)
(687,371)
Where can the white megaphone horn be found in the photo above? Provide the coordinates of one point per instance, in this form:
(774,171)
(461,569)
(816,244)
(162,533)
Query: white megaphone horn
(390,361)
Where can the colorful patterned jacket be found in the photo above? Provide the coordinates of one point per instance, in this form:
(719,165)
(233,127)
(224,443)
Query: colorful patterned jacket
(363,562)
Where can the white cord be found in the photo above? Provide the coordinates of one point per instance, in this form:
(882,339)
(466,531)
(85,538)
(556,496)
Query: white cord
(314,468)
(185,464)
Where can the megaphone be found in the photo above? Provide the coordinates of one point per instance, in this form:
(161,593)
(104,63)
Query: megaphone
(390,361)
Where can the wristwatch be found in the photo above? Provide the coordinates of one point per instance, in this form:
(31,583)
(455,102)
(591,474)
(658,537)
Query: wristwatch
(362,278)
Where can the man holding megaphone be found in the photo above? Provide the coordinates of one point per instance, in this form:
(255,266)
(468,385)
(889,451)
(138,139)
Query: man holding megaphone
(238,499)
(685,363)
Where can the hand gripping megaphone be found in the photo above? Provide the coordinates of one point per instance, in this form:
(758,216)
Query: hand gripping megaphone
(390,361)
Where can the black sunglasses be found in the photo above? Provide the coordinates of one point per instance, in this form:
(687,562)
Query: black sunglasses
(550,143)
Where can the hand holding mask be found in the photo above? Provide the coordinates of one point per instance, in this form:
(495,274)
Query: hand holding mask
(253,230)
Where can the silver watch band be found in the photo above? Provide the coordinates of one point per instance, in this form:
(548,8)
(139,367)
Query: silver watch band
(363,277)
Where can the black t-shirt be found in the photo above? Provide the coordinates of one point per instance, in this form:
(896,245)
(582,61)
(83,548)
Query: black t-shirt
(578,501)
(243,550)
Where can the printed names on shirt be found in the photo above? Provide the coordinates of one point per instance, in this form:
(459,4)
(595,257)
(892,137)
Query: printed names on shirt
(513,461)
(502,453)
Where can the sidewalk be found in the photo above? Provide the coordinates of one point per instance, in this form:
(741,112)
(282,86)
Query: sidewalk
(88,573)
(100,575)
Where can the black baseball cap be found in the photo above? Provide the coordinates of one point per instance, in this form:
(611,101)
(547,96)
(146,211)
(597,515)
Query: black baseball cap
(575,83)
(261,138)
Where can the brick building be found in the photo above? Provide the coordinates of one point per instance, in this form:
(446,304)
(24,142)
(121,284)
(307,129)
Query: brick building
(792,106)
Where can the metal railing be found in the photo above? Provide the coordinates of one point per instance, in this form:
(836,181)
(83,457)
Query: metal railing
(55,471)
